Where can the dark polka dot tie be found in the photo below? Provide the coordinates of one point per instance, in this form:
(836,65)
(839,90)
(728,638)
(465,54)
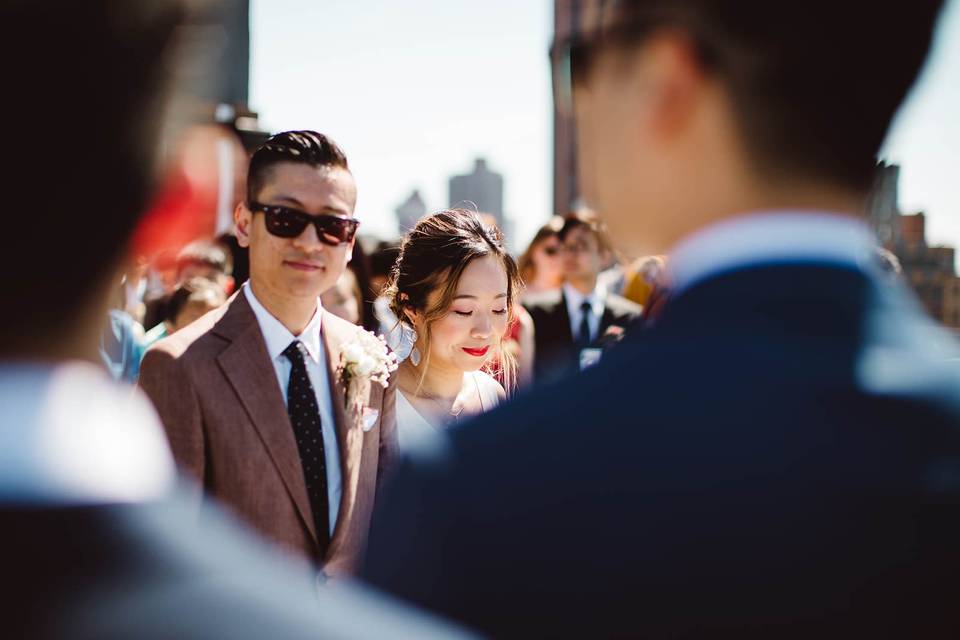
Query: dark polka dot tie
(305,418)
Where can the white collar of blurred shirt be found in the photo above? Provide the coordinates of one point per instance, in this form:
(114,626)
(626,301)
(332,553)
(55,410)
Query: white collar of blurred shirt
(71,435)
(760,238)
(277,336)
(575,299)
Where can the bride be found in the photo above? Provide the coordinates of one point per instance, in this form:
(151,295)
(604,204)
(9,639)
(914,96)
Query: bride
(452,289)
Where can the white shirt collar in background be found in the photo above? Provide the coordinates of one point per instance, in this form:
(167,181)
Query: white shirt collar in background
(764,238)
(575,299)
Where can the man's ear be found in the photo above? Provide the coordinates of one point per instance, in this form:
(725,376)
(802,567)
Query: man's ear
(242,219)
(350,250)
(677,81)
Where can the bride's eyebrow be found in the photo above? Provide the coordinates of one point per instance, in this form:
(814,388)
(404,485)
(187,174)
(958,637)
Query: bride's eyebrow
(470,297)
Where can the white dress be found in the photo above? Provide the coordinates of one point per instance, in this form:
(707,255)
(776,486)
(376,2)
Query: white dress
(414,431)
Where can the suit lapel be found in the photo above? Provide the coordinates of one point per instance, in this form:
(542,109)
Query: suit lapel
(247,367)
(563,321)
(349,433)
(607,320)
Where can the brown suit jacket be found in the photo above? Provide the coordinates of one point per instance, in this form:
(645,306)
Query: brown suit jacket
(216,392)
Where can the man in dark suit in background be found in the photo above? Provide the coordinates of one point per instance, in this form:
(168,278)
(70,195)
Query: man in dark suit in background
(794,469)
(573,324)
(94,543)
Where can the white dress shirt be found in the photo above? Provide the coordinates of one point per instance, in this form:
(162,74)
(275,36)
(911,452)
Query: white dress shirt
(71,435)
(278,338)
(771,237)
(575,300)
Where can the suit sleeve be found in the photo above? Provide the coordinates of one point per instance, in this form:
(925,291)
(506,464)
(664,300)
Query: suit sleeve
(389,442)
(169,388)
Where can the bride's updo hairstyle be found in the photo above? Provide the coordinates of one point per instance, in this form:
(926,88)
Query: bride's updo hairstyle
(432,258)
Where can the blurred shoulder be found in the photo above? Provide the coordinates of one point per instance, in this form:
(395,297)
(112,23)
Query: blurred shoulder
(543,302)
(194,335)
(623,307)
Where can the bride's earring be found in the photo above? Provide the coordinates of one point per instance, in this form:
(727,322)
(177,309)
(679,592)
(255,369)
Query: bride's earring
(414,352)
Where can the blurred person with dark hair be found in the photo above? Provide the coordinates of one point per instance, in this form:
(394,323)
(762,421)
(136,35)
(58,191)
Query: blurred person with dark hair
(541,265)
(382,263)
(253,398)
(778,456)
(209,260)
(96,543)
(360,271)
(573,324)
(453,289)
(192,299)
(202,258)
(343,298)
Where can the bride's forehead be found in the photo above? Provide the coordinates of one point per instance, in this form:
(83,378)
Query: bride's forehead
(484,277)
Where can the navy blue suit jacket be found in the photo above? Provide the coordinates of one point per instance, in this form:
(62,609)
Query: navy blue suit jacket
(778,457)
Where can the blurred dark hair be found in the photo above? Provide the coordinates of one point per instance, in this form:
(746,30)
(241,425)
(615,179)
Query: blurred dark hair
(589,221)
(99,72)
(207,254)
(302,147)
(360,266)
(525,265)
(433,256)
(814,85)
(383,260)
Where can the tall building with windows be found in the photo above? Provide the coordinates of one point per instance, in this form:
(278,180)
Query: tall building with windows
(929,270)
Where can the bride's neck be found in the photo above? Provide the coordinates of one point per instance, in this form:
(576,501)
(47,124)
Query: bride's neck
(439,382)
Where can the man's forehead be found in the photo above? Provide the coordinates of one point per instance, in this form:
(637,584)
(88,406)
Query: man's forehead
(311,187)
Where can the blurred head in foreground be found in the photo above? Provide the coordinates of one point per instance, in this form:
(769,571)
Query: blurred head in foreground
(69,228)
(690,111)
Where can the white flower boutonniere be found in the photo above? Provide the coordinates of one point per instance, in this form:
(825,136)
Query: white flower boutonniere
(363,361)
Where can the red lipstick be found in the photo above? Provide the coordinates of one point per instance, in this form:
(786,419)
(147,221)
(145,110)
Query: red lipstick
(477,353)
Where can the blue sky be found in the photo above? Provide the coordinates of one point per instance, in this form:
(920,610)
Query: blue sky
(414,90)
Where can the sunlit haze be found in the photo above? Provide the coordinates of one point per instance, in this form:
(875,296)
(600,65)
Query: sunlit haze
(414,91)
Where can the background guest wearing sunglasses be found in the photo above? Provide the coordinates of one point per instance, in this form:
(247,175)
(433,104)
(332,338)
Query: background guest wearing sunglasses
(249,396)
(540,266)
(574,323)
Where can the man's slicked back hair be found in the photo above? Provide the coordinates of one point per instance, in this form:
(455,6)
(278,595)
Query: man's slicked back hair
(302,147)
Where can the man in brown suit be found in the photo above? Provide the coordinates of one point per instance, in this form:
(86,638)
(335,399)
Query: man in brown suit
(249,394)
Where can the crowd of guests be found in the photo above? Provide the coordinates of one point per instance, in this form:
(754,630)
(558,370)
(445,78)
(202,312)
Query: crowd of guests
(575,296)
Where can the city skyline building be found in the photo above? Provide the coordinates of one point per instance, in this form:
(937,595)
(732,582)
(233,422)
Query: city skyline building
(411,210)
(929,270)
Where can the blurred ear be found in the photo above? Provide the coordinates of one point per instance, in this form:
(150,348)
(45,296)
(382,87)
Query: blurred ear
(676,82)
(242,220)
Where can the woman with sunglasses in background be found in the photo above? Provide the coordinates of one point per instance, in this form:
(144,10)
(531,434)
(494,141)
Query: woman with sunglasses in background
(540,265)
